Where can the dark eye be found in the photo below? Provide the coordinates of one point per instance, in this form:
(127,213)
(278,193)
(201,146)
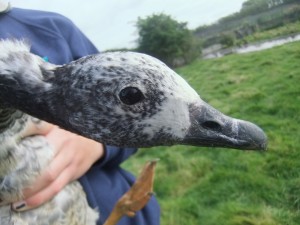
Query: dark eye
(131,95)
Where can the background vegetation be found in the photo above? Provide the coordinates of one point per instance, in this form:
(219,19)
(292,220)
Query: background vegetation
(166,39)
(230,187)
(254,16)
(172,42)
(286,30)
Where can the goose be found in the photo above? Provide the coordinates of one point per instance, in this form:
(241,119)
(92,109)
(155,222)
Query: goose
(120,98)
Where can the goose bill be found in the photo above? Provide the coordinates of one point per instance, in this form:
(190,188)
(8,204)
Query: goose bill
(212,128)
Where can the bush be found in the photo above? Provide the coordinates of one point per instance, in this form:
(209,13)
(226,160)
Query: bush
(227,40)
(166,39)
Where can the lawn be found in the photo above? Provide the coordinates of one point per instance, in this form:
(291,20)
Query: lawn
(206,186)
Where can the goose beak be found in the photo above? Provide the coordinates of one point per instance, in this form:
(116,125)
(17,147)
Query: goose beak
(212,128)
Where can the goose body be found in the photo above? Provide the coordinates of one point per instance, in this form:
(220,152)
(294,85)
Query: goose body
(122,98)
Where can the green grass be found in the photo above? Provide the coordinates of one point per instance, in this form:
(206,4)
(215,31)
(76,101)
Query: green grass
(229,187)
(287,29)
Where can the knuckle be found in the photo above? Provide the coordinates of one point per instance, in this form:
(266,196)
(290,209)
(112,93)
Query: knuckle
(50,176)
(74,173)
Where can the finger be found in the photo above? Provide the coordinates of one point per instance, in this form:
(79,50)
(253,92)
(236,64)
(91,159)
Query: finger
(87,151)
(36,126)
(59,164)
(58,138)
(44,195)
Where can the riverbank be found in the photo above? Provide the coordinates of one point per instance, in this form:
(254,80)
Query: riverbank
(217,51)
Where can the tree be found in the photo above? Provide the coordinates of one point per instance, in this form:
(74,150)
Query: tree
(166,39)
(254,6)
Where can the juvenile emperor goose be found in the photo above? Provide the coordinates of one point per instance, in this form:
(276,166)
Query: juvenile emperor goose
(122,98)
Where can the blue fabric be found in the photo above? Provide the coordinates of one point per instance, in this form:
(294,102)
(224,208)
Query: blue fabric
(56,38)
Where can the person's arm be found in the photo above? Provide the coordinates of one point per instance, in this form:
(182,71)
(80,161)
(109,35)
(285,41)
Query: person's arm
(78,43)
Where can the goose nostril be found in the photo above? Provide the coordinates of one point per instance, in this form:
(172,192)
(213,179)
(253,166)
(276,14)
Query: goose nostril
(211,125)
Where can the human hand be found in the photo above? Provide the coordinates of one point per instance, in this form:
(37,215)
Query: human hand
(73,156)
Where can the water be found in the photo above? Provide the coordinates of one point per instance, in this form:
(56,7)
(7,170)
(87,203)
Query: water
(253,47)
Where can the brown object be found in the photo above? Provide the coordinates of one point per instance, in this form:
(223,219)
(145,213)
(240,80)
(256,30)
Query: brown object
(137,196)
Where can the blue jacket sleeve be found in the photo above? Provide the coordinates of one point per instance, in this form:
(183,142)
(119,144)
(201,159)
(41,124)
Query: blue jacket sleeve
(114,156)
(78,43)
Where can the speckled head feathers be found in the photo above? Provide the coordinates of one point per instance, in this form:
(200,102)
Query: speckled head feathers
(108,82)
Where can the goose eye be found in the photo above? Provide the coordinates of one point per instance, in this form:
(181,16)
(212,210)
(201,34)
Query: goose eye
(131,95)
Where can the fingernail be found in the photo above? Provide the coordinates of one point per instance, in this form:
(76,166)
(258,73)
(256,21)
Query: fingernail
(19,206)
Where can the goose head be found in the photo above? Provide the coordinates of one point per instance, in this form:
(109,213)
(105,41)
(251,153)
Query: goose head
(120,98)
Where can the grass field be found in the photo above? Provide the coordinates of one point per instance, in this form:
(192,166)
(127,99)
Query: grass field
(206,186)
(287,29)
